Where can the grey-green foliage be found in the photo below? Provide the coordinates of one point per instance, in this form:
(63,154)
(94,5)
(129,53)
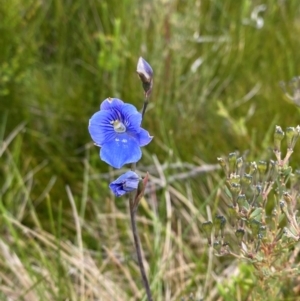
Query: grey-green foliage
(262,206)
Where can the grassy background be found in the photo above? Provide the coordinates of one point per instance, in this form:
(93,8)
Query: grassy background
(217,66)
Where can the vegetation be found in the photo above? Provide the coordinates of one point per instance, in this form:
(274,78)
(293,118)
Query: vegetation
(217,67)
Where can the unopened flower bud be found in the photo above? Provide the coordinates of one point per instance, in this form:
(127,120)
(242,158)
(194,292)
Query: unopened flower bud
(217,245)
(239,164)
(234,179)
(246,180)
(233,213)
(235,189)
(223,165)
(272,173)
(219,223)
(240,232)
(232,162)
(282,206)
(278,136)
(287,197)
(253,168)
(262,168)
(291,135)
(145,74)
(243,203)
(258,189)
(241,199)
(262,231)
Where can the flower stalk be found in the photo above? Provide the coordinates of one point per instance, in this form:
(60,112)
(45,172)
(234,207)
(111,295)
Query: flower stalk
(145,73)
(134,200)
(117,130)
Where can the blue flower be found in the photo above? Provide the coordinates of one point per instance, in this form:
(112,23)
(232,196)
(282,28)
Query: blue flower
(116,128)
(127,182)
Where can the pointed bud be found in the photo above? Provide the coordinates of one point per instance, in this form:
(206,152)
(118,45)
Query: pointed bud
(262,168)
(145,74)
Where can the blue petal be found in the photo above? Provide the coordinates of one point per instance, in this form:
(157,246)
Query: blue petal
(128,109)
(143,137)
(100,127)
(111,103)
(148,68)
(122,150)
(125,183)
(129,175)
(131,118)
(117,189)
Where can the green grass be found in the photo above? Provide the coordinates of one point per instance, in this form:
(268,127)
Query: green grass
(63,235)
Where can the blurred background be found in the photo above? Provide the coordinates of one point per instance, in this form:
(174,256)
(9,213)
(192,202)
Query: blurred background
(217,68)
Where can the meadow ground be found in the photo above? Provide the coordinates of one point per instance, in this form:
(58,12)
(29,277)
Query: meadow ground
(217,67)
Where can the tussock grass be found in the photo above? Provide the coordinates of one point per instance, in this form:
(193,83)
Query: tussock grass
(78,258)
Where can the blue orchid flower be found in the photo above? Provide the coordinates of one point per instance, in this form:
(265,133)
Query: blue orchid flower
(127,182)
(116,128)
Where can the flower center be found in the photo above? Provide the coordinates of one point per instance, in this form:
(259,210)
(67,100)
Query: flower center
(119,127)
